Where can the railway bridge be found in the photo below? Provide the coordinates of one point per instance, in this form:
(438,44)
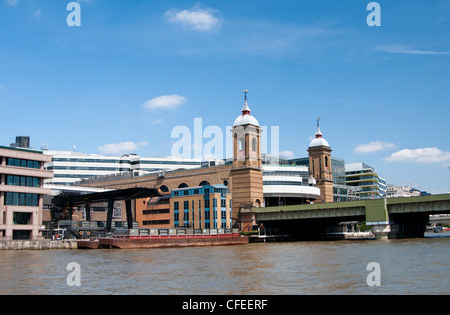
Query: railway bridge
(388,218)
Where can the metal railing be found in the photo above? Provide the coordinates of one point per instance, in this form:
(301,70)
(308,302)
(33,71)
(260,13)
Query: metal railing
(148,237)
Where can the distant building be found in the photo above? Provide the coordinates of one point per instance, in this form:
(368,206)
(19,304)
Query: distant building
(203,207)
(288,185)
(21,142)
(71,168)
(368,183)
(341,191)
(155,212)
(394,191)
(22,176)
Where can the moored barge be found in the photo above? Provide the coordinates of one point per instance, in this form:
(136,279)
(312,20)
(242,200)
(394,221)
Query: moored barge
(162,241)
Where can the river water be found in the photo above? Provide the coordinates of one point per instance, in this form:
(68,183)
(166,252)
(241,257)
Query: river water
(410,266)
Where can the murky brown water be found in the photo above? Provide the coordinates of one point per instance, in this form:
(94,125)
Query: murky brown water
(414,266)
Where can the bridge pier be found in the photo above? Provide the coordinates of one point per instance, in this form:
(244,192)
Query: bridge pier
(412,225)
(381,230)
(377,216)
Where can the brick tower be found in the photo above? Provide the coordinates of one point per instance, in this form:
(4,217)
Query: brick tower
(320,166)
(246,173)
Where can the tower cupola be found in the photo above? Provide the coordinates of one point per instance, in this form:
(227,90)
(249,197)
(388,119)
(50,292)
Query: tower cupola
(319,141)
(246,118)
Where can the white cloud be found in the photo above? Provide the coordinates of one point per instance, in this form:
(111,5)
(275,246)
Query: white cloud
(410,51)
(287,155)
(121,148)
(157,121)
(422,155)
(199,19)
(37,13)
(12,2)
(165,102)
(2,87)
(374,146)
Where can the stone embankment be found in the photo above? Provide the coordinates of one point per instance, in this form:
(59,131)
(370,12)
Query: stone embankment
(38,245)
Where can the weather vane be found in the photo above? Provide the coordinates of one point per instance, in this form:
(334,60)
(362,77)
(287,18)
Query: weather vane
(318,122)
(245,93)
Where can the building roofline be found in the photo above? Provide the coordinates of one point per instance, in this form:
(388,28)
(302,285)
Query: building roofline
(21,149)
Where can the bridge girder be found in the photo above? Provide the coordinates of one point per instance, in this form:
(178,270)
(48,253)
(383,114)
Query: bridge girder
(372,210)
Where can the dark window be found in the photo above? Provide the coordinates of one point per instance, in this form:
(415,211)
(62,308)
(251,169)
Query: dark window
(22,218)
(13,180)
(156,222)
(21,199)
(23,163)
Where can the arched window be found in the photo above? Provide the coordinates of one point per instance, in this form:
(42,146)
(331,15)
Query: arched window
(241,144)
(183,185)
(326,161)
(164,188)
(205,183)
(254,144)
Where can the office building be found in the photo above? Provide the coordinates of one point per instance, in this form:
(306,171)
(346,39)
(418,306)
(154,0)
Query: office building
(21,142)
(203,207)
(368,183)
(155,212)
(394,191)
(288,185)
(22,176)
(71,168)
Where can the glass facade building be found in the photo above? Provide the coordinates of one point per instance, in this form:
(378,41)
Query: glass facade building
(368,183)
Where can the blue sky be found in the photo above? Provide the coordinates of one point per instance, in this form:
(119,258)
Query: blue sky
(134,70)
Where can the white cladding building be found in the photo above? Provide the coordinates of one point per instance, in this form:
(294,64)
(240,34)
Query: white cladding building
(71,167)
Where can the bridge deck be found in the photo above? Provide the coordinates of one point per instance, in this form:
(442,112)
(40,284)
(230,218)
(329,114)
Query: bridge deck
(373,210)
